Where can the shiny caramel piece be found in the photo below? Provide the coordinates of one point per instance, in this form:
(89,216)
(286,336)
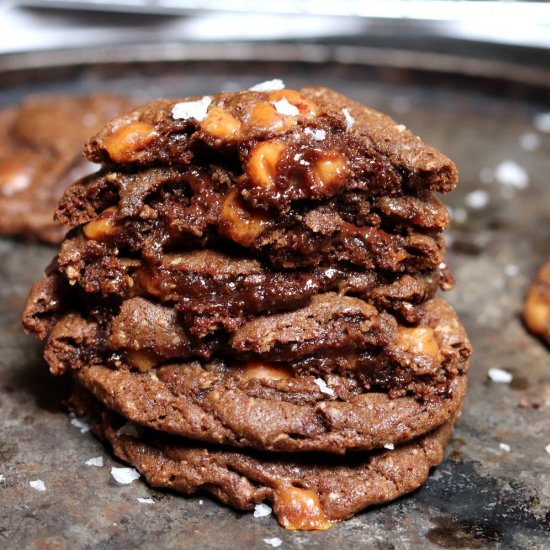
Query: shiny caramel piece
(536,312)
(265,371)
(129,139)
(262,163)
(419,341)
(103,226)
(330,170)
(264,116)
(240,223)
(220,124)
(306,107)
(143,361)
(299,509)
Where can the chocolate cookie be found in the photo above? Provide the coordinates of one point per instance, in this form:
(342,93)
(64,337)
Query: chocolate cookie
(536,311)
(41,144)
(306,492)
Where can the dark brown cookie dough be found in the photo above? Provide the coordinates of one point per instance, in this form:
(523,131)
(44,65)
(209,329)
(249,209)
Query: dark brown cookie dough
(306,491)
(41,144)
(536,310)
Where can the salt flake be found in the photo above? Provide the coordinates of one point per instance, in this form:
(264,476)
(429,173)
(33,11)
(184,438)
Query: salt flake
(317,134)
(285,108)
(275,542)
(80,424)
(500,375)
(97,461)
(504,447)
(269,86)
(511,270)
(529,141)
(1,477)
(547,449)
(323,386)
(37,484)
(477,199)
(145,500)
(262,510)
(389,446)
(350,121)
(511,174)
(124,476)
(542,122)
(191,109)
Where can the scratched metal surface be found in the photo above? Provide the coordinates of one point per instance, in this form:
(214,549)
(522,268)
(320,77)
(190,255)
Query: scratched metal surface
(482,496)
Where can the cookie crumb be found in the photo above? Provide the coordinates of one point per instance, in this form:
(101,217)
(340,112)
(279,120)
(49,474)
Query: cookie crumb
(124,476)
(37,484)
(323,386)
(268,86)
(275,542)
(350,121)
(499,375)
(262,510)
(504,447)
(191,109)
(145,500)
(283,107)
(97,461)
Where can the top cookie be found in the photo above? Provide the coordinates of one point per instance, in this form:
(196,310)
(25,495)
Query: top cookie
(285,145)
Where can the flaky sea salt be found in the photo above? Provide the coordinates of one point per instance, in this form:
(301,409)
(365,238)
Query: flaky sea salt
(511,174)
(499,375)
(529,141)
(459,215)
(80,424)
(1,477)
(262,510)
(130,428)
(268,86)
(145,500)
(283,107)
(191,109)
(37,484)
(275,542)
(323,386)
(96,461)
(504,447)
(389,446)
(511,270)
(477,199)
(350,121)
(547,449)
(124,476)
(317,134)
(542,122)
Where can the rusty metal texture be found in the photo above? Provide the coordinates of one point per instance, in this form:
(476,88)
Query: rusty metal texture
(493,489)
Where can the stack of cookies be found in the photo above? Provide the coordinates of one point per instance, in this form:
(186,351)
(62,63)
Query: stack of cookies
(250,278)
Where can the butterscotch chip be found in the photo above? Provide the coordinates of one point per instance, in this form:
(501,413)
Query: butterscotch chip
(103,226)
(220,124)
(129,139)
(536,310)
(300,509)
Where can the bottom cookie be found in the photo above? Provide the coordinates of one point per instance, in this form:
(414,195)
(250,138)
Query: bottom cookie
(308,491)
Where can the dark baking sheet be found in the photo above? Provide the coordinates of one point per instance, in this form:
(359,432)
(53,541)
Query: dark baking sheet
(482,496)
